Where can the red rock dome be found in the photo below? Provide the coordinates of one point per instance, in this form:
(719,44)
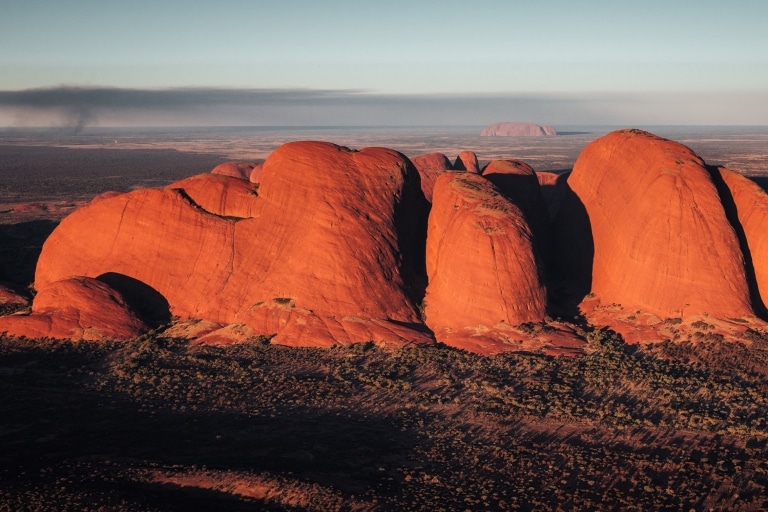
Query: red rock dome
(482,269)
(662,240)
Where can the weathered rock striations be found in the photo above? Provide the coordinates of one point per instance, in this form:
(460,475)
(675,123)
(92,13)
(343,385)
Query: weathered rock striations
(323,245)
(662,240)
(77,308)
(482,269)
(516,129)
(315,258)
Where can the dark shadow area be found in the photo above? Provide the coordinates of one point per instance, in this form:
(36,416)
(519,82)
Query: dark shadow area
(572,256)
(760,180)
(59,433)
(732,214)
(20,247)
(410,218)
(142,298)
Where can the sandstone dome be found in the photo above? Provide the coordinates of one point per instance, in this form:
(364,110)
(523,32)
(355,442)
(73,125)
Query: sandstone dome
(662,241)
(484,274)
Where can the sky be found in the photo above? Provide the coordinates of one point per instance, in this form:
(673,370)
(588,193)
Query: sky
(338,62)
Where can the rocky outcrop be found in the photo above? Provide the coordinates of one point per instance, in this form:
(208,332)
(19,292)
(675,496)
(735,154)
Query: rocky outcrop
(326,245)
(430,166)
(328,252)
(482,268)
(77,308)
(662,242)
(466,161)
(516,129)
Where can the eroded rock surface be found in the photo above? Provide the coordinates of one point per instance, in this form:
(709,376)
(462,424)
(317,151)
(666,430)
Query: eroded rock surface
(482,269)
(318,257)
(662,241)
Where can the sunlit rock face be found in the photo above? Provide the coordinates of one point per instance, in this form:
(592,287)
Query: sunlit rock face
(482,268)
(327,252)
(516,129)
(323,245)
(78,308)
(662,241)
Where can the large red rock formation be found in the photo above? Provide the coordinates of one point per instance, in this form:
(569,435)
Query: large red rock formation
(662,240)
(77,308)
(483,272)
(750,203)
(430,166)
(318,257)
(516,129)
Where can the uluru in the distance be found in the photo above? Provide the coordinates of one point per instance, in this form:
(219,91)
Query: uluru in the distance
(517,129)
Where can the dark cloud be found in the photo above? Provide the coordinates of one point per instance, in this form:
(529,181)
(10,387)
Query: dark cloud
(77,107)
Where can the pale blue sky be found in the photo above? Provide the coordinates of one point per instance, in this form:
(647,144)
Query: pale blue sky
(642,51)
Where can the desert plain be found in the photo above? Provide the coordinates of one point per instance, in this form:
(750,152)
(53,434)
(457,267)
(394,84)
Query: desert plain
(159,423)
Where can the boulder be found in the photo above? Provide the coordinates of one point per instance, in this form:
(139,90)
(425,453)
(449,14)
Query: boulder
(662,242)
(77,308)
(516,129)
(484,274)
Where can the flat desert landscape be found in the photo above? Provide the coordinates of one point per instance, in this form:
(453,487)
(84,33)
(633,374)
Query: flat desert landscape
(160,423)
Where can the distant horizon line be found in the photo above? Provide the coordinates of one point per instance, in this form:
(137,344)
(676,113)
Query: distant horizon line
(364,126)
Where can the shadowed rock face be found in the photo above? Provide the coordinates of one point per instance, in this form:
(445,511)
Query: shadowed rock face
(315,258)
(662,240)
(750,203)
(482,270)
(78,308)
(515,129)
